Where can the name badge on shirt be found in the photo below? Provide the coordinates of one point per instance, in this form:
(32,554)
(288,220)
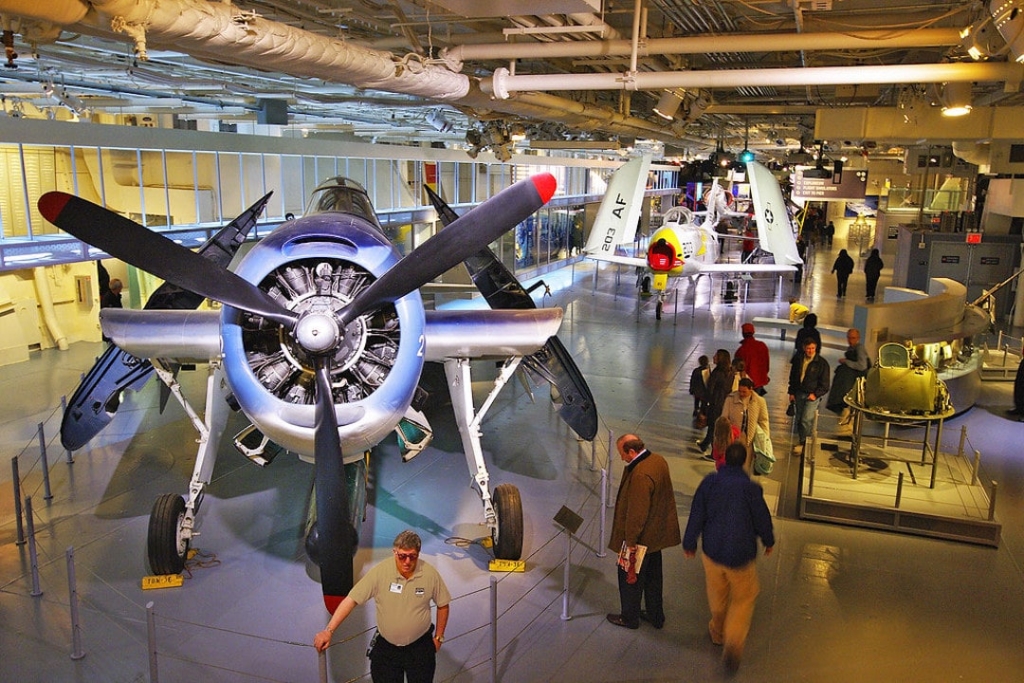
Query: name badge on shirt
(396,587)
(421,592)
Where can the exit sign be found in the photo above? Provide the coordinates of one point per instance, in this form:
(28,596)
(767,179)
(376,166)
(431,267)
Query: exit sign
(974,238)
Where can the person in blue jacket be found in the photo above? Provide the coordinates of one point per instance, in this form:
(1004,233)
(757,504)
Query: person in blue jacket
(729,514)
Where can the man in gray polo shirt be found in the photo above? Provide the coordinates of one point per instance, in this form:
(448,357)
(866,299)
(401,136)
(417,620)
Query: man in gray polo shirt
(403,646)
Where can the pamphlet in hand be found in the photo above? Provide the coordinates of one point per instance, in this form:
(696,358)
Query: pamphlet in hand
(632,561)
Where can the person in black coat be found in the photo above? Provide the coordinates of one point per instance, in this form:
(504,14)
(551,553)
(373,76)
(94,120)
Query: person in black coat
(720,383)
(808,384)
(808,331)
(842,267)
(872,271)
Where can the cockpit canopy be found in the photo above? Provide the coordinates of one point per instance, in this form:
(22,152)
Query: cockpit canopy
(343,195)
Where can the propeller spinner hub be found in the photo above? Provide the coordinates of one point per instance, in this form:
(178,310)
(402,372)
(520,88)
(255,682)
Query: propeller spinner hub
(317,332)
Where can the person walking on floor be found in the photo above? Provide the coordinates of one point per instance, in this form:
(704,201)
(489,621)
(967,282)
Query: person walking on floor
(842,267)
(728,515)
(748,411)
(645,514)
(699,388)
(872,271)
(754,354)
(406,643)
(720,383)
(725,433)
(808,384)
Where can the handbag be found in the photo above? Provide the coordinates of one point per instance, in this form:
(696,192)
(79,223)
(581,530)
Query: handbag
(764,456)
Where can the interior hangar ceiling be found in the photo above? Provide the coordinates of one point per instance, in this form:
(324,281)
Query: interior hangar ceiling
(742,72)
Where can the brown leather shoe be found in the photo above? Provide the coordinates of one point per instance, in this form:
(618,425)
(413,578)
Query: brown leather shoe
(619,621)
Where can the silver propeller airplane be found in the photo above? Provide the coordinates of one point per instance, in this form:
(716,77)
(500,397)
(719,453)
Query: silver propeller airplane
(320,343)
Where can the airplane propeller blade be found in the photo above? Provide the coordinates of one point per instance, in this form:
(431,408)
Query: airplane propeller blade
(552,363)
(461,239)
(335,534)
(127,240)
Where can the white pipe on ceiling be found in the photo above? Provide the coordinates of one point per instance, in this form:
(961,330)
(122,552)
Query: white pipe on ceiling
(760,42)
(503,83)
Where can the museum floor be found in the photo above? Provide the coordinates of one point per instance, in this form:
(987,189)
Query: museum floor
(838,604)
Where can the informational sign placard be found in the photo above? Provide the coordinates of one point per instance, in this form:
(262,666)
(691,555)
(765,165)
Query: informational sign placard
(852,186)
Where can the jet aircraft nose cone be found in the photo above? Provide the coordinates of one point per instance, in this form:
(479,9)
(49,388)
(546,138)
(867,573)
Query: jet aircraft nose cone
(317,332)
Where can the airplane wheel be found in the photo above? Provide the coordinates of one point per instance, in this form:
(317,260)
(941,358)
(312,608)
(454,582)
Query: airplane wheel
(508,507)
(657,310)
(167,547)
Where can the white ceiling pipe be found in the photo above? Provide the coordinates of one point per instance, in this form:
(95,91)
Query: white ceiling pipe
(220,31)
(760,42)
(503,83)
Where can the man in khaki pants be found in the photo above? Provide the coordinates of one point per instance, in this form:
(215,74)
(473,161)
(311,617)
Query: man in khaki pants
(730,514)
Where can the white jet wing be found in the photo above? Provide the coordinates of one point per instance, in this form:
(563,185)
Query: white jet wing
(773,224)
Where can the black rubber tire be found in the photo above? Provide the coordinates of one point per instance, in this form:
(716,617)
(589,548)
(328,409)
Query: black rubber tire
(508,507)
(167,551)
(657,310)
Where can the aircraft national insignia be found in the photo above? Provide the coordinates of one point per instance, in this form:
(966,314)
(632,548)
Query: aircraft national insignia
(768,215)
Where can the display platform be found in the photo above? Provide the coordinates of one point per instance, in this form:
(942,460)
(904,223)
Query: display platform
(899,486)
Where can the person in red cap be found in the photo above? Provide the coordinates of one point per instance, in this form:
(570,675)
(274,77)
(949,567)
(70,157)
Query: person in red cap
(754,354)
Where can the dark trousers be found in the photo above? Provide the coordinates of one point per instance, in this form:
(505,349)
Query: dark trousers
(647,588)
(841,281)
(414,662)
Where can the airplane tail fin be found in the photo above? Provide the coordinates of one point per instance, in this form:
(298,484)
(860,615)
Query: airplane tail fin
(619,212)
(773,226)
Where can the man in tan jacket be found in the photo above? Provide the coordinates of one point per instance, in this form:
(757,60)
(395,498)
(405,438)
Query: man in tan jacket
(645,514)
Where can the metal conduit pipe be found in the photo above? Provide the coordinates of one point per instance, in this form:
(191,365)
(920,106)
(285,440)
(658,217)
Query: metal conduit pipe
(45,297)
(502,83)
(789,42)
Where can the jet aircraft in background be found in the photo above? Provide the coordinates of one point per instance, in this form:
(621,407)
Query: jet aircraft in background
(320,343)
(681,246)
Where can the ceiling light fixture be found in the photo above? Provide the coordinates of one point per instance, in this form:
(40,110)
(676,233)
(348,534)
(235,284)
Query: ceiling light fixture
(1009,21)
(956,99)
(668,105)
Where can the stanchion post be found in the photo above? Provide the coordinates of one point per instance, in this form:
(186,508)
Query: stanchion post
(76,627)
(565,577)
(322,662)
(33,557)
(151,642)
(47,495)
(899,490)
(975,466)
(992,501)
(16,480)
(494,630)
(601,520)
(593,455)
(611,449)
(963,439)
(64,409)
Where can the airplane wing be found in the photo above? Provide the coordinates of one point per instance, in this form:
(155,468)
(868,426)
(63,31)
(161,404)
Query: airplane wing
(619,212)
(552,363)
(773,224)
(97,398)
(190,336)
(740,268)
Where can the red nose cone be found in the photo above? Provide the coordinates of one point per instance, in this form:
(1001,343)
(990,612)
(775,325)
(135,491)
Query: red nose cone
(52,203)
(545,184)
